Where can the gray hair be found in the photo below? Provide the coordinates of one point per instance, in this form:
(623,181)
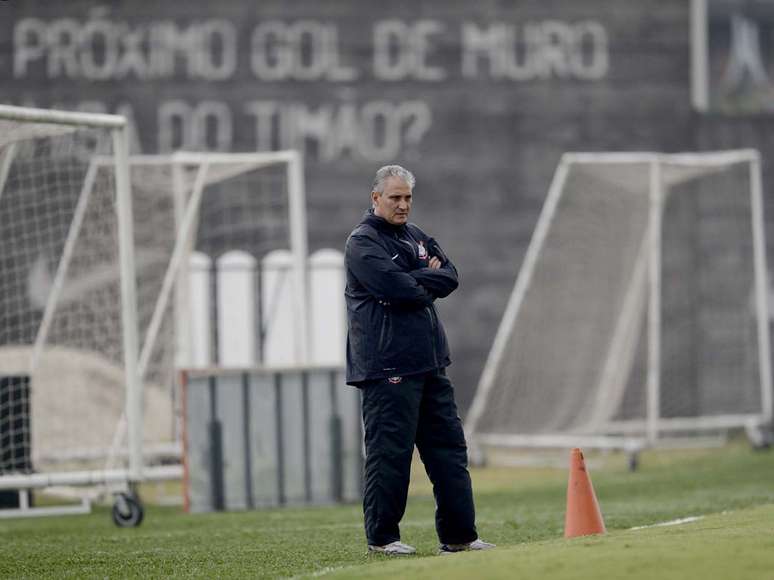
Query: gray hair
(392,171)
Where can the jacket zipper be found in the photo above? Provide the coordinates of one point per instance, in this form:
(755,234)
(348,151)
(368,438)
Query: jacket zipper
(383,332)
(432,325)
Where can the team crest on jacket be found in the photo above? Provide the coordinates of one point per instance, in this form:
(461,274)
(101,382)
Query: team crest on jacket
(422,251)
(395,380)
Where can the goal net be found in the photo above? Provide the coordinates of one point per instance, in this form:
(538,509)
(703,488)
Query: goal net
(202,215)
(67,341)
(95,318)
(640,309)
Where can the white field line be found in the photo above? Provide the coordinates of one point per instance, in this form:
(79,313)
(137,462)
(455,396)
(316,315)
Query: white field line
(677,522)
(322,572)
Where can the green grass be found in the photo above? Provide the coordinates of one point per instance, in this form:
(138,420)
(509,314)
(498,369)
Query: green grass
(520,509)
(734,545)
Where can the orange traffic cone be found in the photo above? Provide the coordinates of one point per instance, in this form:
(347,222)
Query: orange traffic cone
(583,517)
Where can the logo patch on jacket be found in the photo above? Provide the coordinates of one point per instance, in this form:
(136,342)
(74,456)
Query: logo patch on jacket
(422,251)
(395,380)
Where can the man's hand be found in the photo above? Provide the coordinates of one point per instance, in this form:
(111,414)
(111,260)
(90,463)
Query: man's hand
(434,263)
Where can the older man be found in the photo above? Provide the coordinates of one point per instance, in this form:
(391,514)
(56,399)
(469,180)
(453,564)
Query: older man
(397,354)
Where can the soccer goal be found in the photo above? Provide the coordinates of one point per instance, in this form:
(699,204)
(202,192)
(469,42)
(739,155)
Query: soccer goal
(94,254)
(68,343)
(207,206)
(640,311)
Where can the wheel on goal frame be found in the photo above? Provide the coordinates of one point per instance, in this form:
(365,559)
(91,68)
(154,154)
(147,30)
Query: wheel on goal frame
(128,510)
(760,436)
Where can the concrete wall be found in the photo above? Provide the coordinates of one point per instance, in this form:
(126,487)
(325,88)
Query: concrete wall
(479,99)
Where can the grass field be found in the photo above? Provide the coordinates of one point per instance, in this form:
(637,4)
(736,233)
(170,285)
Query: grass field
(520,509)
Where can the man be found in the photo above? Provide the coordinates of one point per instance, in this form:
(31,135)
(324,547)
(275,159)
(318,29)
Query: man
(397,354)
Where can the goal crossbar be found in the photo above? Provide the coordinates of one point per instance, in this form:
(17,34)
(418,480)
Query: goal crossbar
(710,158)
(31,115)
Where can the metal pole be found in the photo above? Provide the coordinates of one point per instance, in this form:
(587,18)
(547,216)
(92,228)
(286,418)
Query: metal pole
(654,310)
(183,356)
(699,55)
(298,245)
(50,116)
(134,394)
(182,305)
(6,160)
(761,290)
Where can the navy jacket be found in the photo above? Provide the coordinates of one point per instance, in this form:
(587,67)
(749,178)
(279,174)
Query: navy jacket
(393,327)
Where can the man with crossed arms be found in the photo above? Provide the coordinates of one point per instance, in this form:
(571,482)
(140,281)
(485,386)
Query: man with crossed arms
(397,354)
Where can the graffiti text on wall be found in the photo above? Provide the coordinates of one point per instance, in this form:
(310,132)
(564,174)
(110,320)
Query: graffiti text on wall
(101,49)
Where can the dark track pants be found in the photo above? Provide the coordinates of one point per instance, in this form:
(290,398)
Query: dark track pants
(419,409)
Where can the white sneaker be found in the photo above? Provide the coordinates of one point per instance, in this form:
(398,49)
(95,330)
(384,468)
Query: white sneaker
(476,544)
(393,549)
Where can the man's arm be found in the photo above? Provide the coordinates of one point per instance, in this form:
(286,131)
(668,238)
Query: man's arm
(440,277)
(374,269)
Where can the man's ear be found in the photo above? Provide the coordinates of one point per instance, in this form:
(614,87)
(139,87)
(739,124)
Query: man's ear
(374,196)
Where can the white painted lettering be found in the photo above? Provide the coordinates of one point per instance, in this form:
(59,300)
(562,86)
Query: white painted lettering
(132,61)
(535,50)
(423,31)
(216,50)
(520,60)
(390,61)
(162,37)
(100,49)
(270,58)
(557,36)
(265,113)
(380,131)
(344,139)
(401,50)
(98,42)
(65,35)
(375,131)
(479,43)
(29,41)
(310,50)
(591,59)
(304,50)
(175,129)
(206,126)
(312,128)
(212,127)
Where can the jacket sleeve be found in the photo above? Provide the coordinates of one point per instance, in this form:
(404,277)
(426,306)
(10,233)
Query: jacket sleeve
(439,282)
(373,267)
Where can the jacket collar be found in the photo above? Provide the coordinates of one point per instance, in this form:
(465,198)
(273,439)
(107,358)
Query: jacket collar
(381,224)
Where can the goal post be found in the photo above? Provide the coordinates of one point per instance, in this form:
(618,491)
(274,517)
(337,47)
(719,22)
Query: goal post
(204,206)
(214,203)
(640,310)
(49,185)
(95,310)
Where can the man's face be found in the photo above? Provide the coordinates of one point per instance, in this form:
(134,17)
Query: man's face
(394,203)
